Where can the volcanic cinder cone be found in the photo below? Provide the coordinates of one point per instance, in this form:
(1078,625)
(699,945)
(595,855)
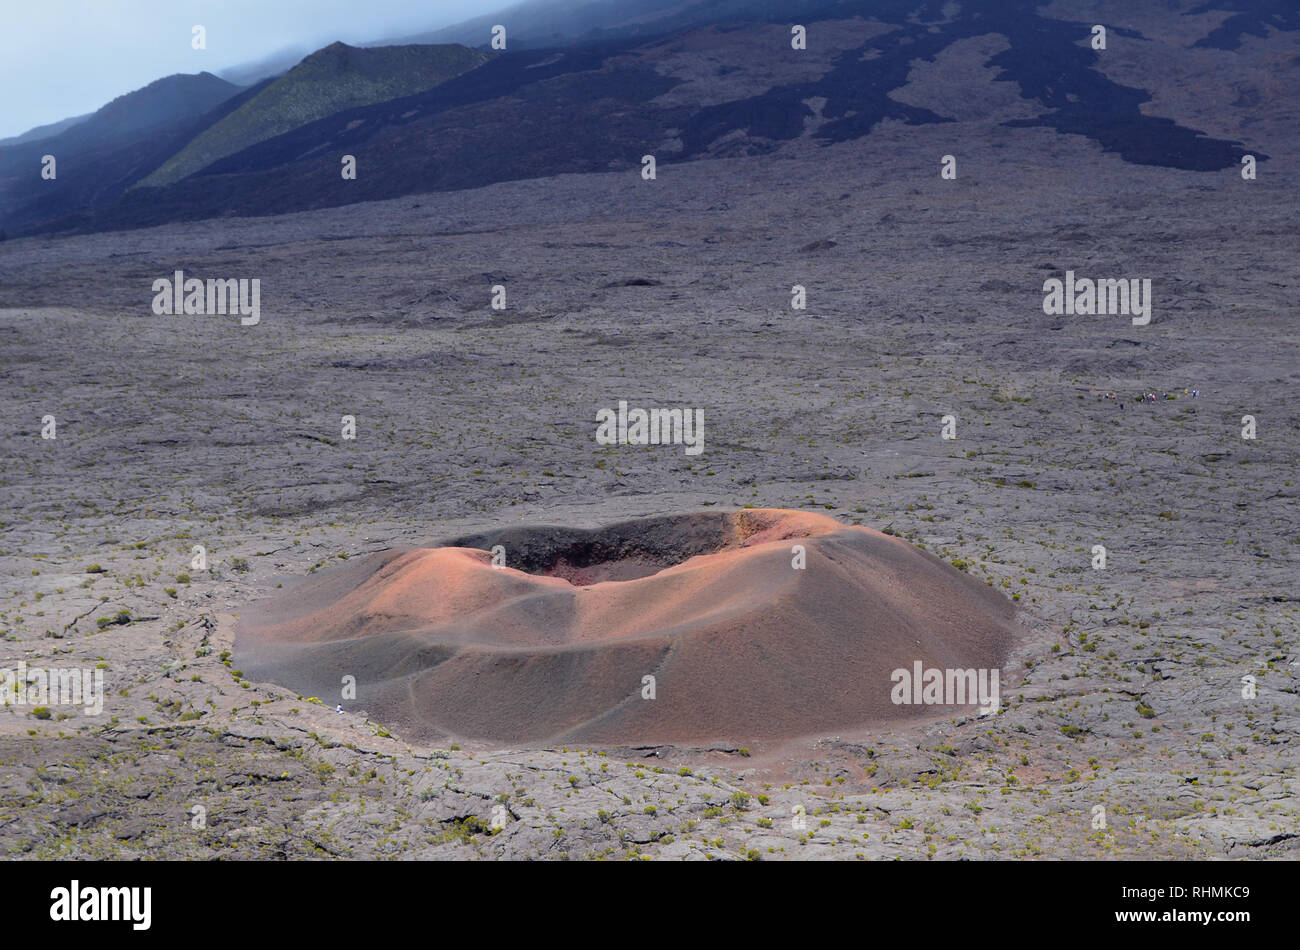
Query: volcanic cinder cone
(554,647)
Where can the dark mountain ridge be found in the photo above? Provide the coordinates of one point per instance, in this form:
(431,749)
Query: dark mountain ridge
(592,106)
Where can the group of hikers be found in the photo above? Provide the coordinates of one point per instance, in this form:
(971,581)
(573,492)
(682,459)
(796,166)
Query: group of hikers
(1148,397)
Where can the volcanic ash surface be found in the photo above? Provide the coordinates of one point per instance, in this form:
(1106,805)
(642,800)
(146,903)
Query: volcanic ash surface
(554,647)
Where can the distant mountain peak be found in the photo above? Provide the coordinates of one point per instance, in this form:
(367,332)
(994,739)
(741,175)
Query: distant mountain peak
(336,50)
(327,81)
(178,96)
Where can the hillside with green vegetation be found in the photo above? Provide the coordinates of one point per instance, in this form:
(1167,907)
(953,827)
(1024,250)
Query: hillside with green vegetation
(330,80)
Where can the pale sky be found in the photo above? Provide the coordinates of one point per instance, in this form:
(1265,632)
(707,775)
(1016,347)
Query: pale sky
(60,58)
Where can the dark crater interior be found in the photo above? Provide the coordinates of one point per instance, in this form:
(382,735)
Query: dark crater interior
(617,552)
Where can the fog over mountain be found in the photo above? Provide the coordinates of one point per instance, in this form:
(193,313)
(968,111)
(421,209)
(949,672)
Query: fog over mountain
(108,49)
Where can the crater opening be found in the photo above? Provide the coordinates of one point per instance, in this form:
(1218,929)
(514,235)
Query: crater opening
(620,552)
